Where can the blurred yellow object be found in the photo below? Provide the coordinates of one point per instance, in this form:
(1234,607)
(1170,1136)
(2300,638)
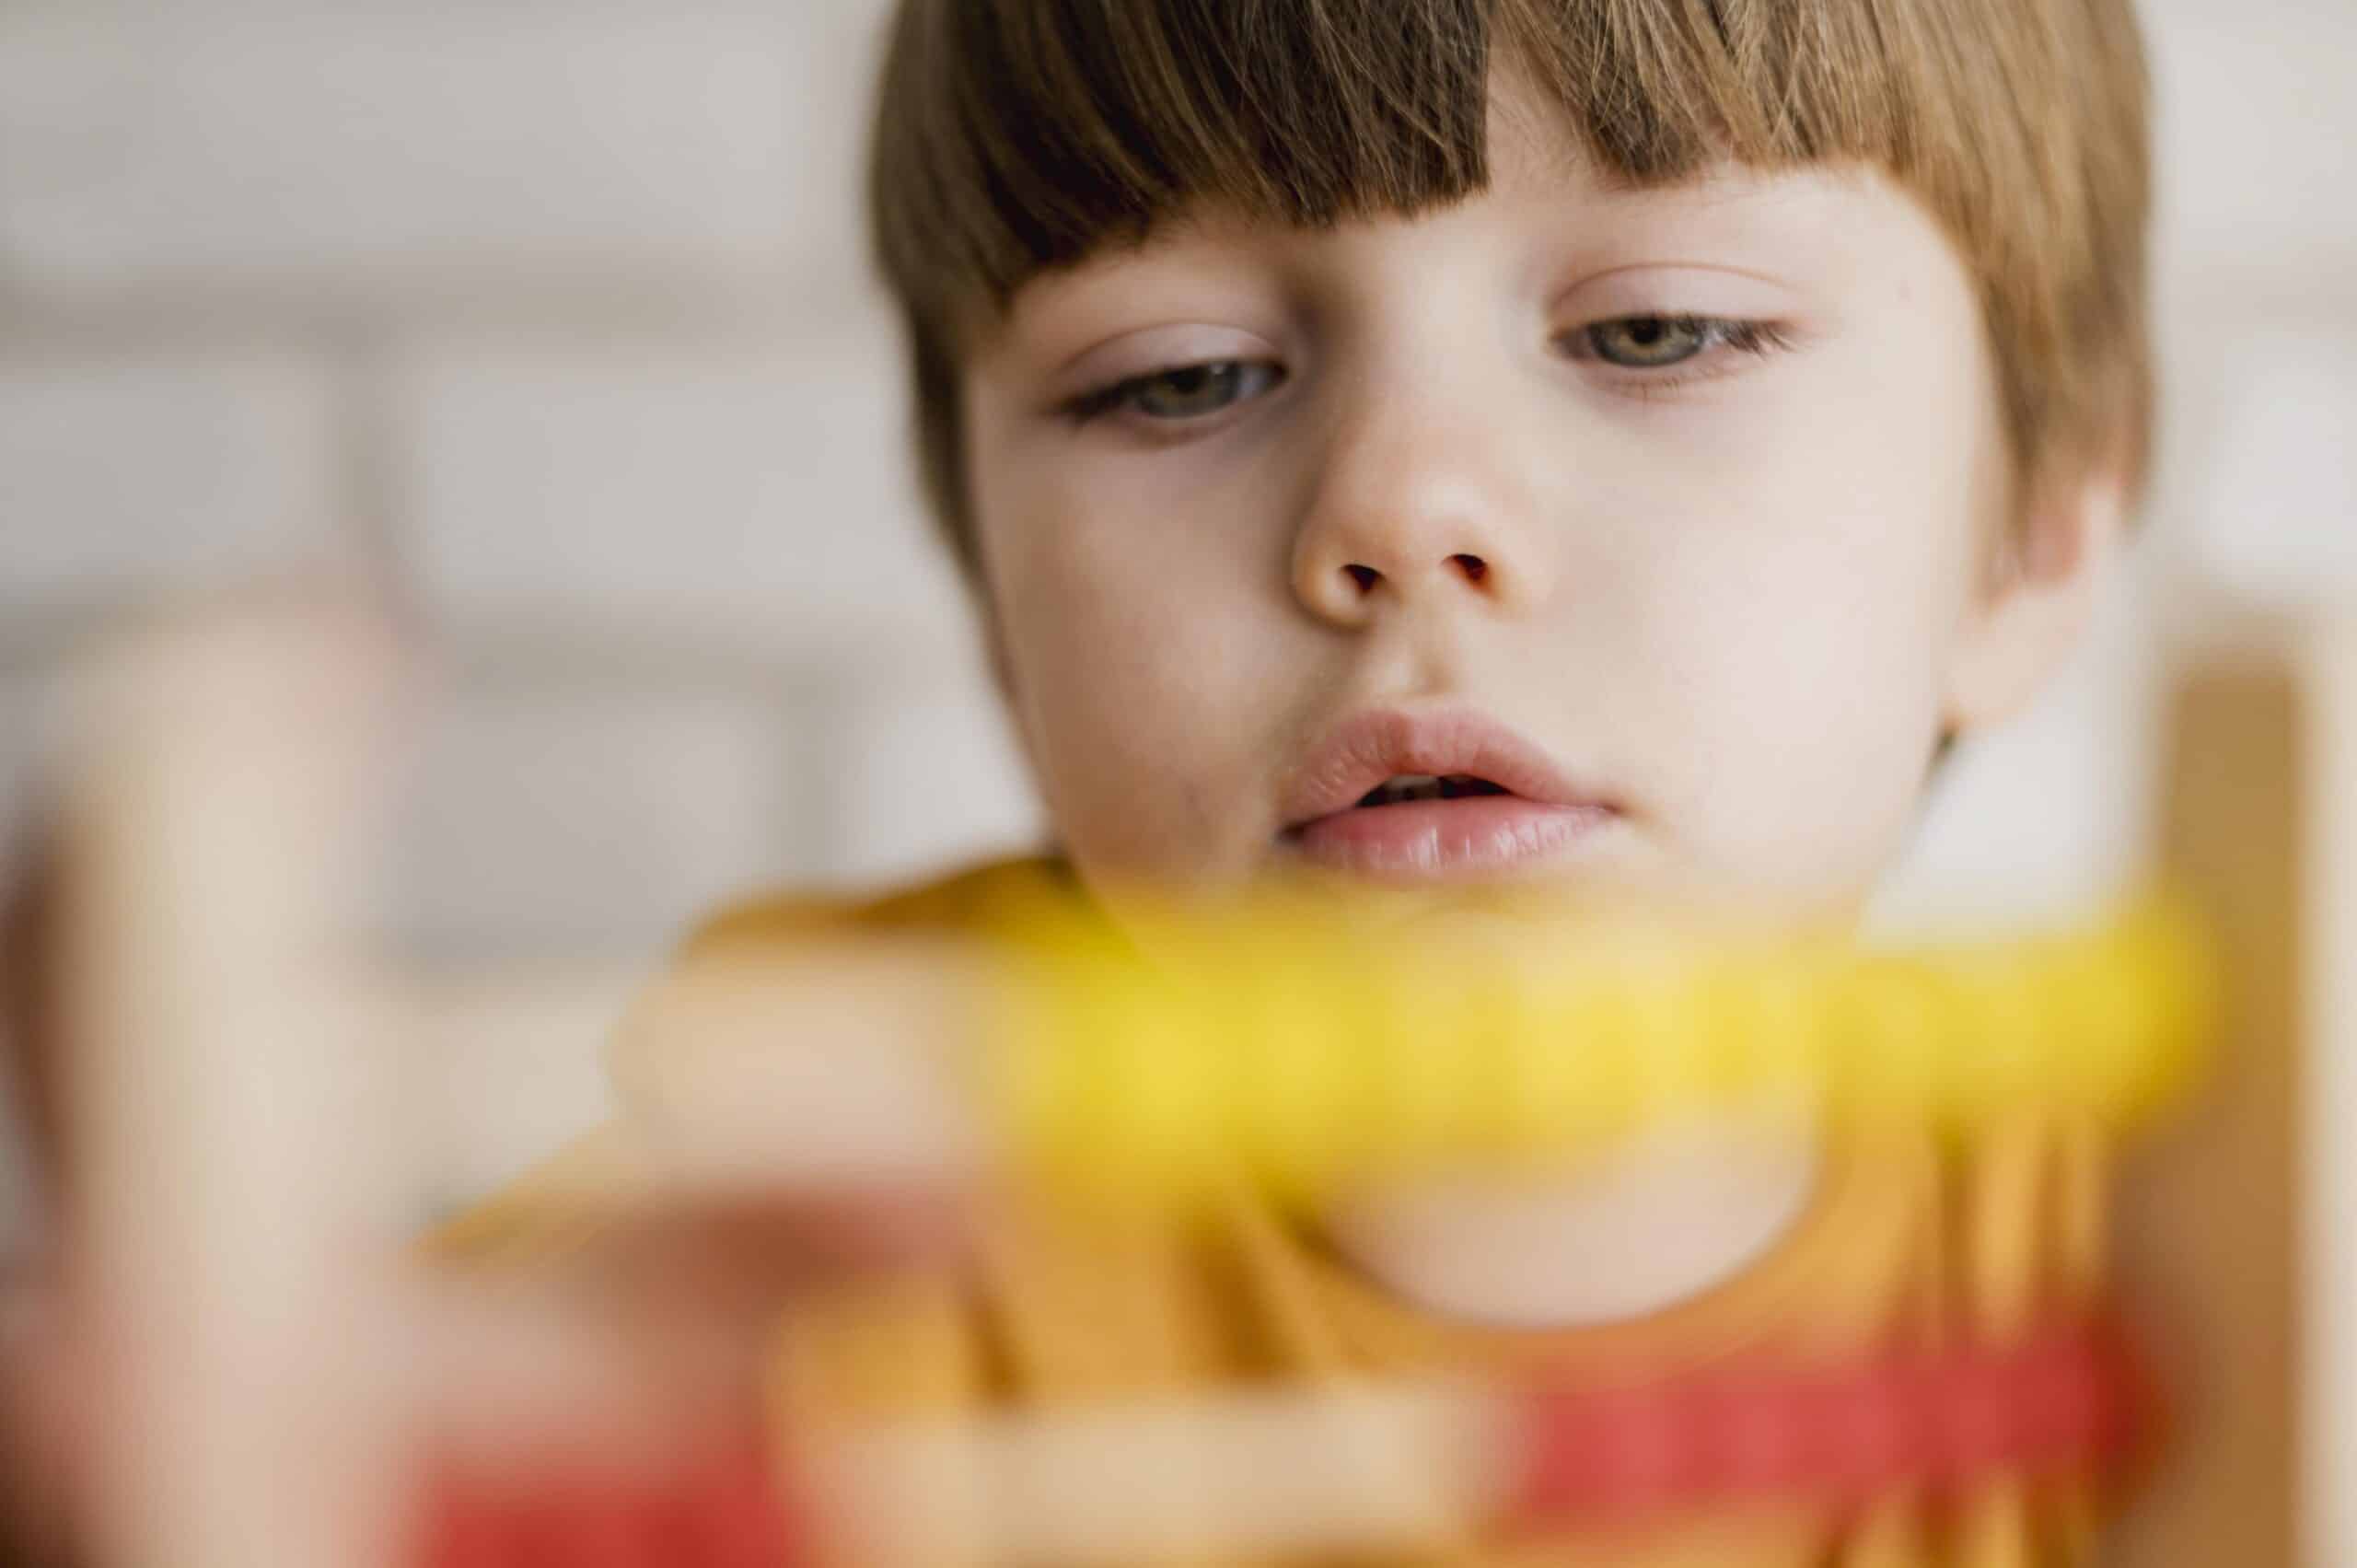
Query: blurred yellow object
(1283,1045)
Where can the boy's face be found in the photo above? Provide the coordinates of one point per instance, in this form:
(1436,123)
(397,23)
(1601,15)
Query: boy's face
(1671,514)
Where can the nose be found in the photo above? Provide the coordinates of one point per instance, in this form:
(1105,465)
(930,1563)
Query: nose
(1414,505)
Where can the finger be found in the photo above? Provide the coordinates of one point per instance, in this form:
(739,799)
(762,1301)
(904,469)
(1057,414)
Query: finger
(224,1114)
(751,1250)
(665,1314)
(832,1067)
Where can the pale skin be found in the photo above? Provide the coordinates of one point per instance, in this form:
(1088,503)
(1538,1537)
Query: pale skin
(1702,492)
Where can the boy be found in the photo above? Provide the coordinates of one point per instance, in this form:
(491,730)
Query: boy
(1474,450)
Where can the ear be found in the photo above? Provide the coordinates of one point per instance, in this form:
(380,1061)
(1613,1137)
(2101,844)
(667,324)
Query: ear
(2036,596)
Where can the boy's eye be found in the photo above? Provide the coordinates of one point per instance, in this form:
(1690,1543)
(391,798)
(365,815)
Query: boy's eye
(1657,342)
(1649,343)
(1191,391)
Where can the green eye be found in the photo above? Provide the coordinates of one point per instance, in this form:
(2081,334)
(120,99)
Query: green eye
(1648,342)
(1197,391)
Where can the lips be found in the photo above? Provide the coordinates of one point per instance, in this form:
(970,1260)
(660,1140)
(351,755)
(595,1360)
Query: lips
(1435,795)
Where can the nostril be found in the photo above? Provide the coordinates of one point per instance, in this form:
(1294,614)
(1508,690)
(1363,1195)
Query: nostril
(1363,577)
(1476,570)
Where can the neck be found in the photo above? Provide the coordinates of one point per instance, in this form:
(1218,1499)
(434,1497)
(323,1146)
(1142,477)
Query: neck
(1649,1224)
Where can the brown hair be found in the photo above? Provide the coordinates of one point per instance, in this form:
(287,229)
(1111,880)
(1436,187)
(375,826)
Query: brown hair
(1017,136)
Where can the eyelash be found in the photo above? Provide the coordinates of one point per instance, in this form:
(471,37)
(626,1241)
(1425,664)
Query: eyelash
(1752,338)
(1091,406)
(1757,339)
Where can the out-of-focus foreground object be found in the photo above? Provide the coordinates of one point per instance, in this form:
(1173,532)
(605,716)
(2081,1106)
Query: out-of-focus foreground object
(233,1063)
(234,1241)
(2231,1223)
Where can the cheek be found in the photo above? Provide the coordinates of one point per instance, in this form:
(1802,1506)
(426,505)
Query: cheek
(1832,565)
(1143,669)
(1814,712)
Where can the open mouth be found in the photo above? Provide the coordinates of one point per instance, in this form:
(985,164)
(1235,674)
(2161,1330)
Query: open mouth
(1406,787)
(1436,795)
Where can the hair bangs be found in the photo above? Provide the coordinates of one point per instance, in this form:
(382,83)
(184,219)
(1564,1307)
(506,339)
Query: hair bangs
(1018,137)
(1070,124)
(1015,137)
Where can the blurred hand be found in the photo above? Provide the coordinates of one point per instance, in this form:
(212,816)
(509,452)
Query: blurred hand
(760,1166)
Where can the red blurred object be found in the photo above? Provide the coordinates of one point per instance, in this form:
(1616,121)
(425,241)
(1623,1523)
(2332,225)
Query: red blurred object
(2068,1401)
(729,1508)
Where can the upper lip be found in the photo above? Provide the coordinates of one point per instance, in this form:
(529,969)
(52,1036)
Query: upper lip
(1368,748)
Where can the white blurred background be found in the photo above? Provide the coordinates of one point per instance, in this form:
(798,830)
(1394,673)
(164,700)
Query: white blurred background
(556,308)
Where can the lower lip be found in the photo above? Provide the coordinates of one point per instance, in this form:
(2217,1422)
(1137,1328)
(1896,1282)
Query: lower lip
(1421,841)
